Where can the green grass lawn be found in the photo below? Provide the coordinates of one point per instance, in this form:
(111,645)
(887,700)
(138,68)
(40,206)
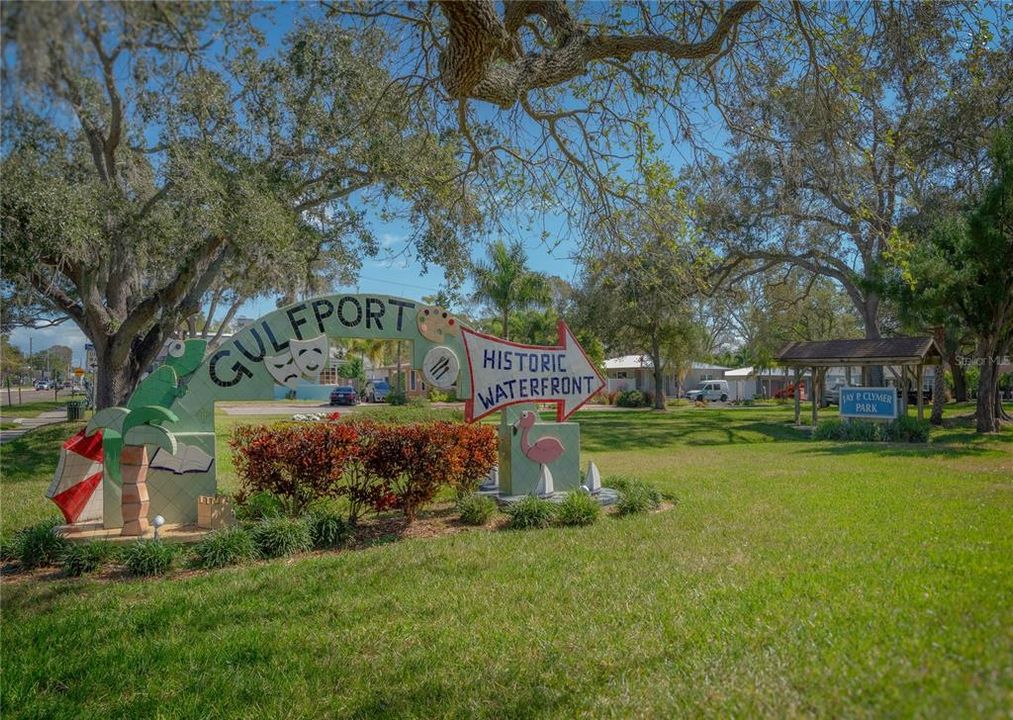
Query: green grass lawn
(34,408)
(793,578)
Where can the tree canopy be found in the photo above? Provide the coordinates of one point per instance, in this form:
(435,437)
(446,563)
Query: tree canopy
(638,288)
(157,154)
(562,104)
(961,265)
(868,111)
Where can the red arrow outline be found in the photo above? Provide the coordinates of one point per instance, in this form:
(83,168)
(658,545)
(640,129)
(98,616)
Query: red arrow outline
(562,330)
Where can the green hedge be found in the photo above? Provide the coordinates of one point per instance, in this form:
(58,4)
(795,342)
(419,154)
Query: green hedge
(903,429)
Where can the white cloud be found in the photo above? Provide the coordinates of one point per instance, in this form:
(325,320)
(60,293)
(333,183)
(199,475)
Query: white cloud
(66,334)
(389,239)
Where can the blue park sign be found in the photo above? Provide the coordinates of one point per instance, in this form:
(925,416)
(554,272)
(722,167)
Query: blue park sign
(871,403)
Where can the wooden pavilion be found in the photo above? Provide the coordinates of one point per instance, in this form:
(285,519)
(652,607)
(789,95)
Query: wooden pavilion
(905,357)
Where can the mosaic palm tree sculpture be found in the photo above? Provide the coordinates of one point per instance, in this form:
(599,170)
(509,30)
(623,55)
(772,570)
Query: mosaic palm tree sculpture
(76,489)
(126,435)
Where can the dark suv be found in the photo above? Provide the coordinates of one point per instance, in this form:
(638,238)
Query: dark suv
(344,395)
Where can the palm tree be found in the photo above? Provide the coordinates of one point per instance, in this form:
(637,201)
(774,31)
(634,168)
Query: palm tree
(506,284)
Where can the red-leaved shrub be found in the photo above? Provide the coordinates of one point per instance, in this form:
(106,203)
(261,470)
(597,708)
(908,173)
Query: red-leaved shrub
(415,461)
(372,464)
(300,462)
(475,451)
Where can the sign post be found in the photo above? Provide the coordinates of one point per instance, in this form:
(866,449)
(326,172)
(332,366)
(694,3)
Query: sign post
(534,457)
(870,403)
(172,409)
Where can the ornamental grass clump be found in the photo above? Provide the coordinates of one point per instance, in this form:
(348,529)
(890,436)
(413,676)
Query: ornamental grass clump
(39,545)
(578,509)
(259,505)
(635,496)
(282,536)
(149,557)
(531,512)
(220,548)
(82,558)
(328,528)
(475,509)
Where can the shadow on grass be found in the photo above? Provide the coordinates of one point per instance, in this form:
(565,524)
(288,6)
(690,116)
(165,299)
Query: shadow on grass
(35,454)
(768,432)
(647,429)
(31,596)
(944,444)
(504,696)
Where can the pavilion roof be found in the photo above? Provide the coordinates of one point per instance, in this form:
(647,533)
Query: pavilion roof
(882,351)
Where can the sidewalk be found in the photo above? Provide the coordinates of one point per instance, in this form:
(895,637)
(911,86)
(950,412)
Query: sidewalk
(47,418)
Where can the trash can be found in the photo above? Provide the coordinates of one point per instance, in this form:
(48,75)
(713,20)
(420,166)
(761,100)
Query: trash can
(75,410)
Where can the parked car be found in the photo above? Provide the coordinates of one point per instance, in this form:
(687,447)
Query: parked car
(344,395)
(832,395)
(710,390)
(376,391)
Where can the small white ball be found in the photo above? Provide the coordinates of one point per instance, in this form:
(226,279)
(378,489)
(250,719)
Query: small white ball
(158,521)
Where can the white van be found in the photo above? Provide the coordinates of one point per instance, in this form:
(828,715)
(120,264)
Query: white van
(710,390)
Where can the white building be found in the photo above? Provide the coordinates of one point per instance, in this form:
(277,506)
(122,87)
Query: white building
(636,372)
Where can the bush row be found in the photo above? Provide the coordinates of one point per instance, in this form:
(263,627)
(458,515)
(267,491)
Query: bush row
(271,536)
(903,429)
(577,509)
(267,531)
(373,465)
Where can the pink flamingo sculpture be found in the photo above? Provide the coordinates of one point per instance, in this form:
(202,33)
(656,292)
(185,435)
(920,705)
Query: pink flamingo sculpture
(545,450)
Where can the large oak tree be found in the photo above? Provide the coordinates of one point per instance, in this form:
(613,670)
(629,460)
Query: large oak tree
(157,152)
(866,111)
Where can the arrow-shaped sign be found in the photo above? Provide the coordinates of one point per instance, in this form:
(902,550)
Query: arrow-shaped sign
(505,373)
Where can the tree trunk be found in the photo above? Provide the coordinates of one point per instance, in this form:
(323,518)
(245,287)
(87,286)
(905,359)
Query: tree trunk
(870,319)
(1000,412)
(987,420)
(959,377)
(122,362)
(115,379)
(939,384)
(659,379)
(938,396)
(506,326)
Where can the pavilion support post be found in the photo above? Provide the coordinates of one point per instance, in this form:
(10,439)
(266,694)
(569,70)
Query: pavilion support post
(797,394)
(847,375)
(812,393)
(920,399)
(904,379)
(899,378)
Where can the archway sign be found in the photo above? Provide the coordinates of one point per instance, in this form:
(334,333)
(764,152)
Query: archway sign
(156,456)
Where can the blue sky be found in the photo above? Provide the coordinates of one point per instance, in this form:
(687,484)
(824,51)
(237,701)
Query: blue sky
(394,271)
